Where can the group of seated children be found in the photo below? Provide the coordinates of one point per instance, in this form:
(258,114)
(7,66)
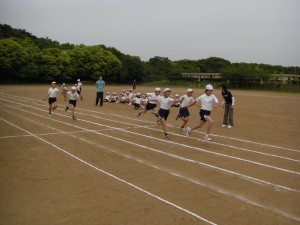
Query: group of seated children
(138,100)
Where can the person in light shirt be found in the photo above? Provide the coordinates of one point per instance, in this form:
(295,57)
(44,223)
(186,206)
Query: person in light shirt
(152,102)
(137,101)
(166,103)
(79,87)
(107,97)
(52,97)
(185,101)
(207,101)
(74,97)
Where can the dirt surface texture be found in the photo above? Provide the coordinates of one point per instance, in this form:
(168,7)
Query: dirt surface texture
(112,167)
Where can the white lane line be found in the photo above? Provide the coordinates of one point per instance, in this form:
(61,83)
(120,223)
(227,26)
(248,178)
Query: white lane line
(113,176)
(179,144)
(249,178)
(195,148)
(209,142)
(189,179)
(225,137)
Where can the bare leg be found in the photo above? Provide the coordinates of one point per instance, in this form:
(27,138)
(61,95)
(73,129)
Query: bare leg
(185,121)
(199,125)
(209,124)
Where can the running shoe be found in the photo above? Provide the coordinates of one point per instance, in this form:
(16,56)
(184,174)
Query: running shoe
(67,108)
(224,125)
(182,129)
(229,126)
(207,137)
(188,131)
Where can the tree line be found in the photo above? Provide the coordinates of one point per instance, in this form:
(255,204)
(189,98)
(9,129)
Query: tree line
(25,58)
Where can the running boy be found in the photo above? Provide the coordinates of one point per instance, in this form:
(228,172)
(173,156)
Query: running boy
(185,101)
(52,94)
(207,102)
(165,104)
(74,96)
(152,103)
(64,91)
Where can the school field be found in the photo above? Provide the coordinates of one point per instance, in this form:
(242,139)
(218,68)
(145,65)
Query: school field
(110,167)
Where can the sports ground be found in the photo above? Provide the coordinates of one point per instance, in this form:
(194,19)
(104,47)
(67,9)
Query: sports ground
(110,167)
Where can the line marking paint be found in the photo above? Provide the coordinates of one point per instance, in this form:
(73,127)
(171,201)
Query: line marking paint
(249,178)
(114,177)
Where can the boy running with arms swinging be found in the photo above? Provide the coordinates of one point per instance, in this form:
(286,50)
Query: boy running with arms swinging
(207,102)
(74,96)
(52,94)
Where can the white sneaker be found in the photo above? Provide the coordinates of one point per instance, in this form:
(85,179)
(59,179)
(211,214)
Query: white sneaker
(207,137)
(188,131)
(224,125)
(229,126)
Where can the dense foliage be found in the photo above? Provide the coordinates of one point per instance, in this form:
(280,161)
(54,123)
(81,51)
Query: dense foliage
(24,58)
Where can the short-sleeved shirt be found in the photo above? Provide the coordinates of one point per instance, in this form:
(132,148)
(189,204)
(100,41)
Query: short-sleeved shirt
(73,95)
(207,102)
(52,92)
(165,103)
(100,85)
(152,97)
(185,101)
(227,97)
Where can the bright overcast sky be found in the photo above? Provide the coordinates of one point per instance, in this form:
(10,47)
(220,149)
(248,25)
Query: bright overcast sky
(252,31)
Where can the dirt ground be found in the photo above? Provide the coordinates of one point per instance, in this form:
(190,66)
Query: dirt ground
(110,167)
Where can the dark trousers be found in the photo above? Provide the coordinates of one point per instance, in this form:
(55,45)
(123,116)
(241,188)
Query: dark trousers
(228,115)
(99,96)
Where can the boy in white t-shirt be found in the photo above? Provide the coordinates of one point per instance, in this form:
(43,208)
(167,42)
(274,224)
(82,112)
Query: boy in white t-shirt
(185,101)
(207,102)
(165,104)
(74,96)
(52,97)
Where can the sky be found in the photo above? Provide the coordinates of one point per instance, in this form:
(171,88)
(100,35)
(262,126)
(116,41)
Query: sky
(251,31)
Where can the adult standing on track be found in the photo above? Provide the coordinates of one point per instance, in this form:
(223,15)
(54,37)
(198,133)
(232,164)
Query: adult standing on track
(100,84)
(52,94)
(228,104)
(207,102)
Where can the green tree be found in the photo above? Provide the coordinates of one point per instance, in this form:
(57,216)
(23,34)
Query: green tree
(12,57)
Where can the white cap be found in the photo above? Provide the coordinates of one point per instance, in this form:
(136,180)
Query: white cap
(177,95)
(73,88)
(189,90)
(53,82)
(107,92)
(167,89)
(138,93)
(130,89)
(63,84)
(123,90)
(78,80)
(209,87)
(157,89)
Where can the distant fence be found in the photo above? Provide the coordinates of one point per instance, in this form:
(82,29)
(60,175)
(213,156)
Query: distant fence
(271,86)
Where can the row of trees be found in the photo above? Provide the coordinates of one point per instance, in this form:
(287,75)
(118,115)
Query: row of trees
(25,58)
